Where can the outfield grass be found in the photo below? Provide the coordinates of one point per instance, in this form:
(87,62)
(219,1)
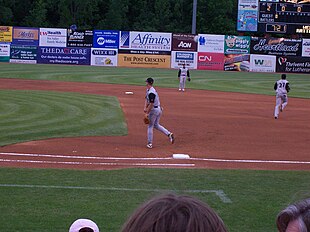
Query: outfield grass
(48,202)
(243,82)
(34,115)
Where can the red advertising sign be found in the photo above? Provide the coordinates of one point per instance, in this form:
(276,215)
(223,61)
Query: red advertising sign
(210,61)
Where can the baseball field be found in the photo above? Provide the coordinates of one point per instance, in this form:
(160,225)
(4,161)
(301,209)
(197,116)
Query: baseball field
(73,145)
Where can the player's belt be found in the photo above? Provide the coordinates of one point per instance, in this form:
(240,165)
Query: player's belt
(156,106)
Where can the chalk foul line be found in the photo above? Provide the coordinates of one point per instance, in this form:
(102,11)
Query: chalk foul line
(220,193)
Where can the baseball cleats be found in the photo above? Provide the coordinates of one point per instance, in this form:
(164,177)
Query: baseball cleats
(171,138)
(149,145)
(275,117)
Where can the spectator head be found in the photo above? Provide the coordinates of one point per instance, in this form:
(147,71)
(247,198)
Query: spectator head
(295,217)
(172,213)
(83,225)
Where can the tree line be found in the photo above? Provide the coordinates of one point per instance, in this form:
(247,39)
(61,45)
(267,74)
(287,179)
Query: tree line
(213,16)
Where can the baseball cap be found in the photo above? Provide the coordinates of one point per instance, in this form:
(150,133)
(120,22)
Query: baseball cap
(83,223)
(150,80)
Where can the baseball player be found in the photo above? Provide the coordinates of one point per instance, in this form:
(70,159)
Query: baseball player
(153,111)
(282,88)
(183,73)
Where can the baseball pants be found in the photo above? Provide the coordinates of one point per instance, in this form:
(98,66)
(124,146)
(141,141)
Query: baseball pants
(154,117)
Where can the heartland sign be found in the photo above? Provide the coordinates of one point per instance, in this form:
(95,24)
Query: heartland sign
(184,42)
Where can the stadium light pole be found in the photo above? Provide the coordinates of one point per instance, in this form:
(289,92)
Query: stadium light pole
(194,16)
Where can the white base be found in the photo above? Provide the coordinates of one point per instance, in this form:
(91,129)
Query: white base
(180,156)
(128,92)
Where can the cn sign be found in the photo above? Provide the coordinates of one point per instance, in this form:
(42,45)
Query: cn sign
(210,61)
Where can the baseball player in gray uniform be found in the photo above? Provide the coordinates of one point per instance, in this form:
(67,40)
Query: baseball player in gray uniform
(153,111)
(282,88)
(182,74)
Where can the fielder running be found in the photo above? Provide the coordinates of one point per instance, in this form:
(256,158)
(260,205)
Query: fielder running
(282,88)
(183,73)
(153,111)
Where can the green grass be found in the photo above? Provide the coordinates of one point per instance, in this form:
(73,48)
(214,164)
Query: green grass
(257,196)
(34,115)
(243,82)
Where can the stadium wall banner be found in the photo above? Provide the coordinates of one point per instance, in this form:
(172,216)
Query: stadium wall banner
(291,64)
(6,34)
(184,42)
(103,57)
(152,41)
(4,52)
(262,63)
(178,58)
(237,62)
(23,54)
(79,38)
(60,55)
(211,43)
(276,46)
(237,44)
(247,15)
(53,37)
(106,39)
(210,61)
(25,36)
(306,47)
(143,59)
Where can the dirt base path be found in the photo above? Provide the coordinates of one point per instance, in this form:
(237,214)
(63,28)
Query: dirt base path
(217,129)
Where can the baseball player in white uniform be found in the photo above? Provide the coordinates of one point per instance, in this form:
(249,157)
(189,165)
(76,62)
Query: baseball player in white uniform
(183,73)
(153,111)
(282,88)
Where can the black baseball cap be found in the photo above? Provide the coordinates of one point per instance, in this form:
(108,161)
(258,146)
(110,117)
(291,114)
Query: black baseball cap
(150,80)
(283,76)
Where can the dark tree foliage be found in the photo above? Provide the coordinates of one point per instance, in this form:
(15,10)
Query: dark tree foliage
(213,16)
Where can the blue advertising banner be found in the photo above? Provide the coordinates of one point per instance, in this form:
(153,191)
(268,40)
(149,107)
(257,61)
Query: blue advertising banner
(106,39)
(60,55)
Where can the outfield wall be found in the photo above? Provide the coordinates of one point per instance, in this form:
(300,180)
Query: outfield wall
(153,50)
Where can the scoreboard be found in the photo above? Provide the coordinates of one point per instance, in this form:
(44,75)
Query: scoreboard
(275,16)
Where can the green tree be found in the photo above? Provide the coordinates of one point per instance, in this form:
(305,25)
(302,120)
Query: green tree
(37,15)
(6,14)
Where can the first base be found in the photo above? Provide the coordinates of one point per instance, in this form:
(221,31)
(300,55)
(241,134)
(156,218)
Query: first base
(180,156)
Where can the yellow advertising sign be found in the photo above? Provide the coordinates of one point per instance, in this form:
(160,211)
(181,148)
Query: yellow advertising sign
(6,34)
(144,60)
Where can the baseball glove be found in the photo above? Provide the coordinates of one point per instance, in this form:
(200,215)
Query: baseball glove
(189,79)
(146,119)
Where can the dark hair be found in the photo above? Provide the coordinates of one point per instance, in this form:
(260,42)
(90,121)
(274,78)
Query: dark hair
(172,213)
(86,229)
(150,80)
(283,76)
(299,211)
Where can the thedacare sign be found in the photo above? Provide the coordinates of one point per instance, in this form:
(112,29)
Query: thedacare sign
(154,41)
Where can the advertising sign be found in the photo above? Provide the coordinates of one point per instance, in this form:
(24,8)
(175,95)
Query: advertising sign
(23,54)
(276,46)
(262,63)
(79,38)
(153,41)
(143,60)
(237,44)
(178,58)
(106,39)
(210,61)
(103,57)
(237,62)
(247,15)
(184,42)
(53,37)
(26,36)
(75,56)
(6,34)
(293,64)
(4,53)
(306,47)
(211,43)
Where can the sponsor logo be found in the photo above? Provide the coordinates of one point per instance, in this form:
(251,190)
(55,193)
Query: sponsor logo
(184,45)
(102,41)
(184,56)
(77,35)
(72,51)
(263,46)
(204,58)
(98,52)
(45,33)
(282,60)
(26,35)
(306,43)
(148,39)
(263,63)
(4,29)
(124,40)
